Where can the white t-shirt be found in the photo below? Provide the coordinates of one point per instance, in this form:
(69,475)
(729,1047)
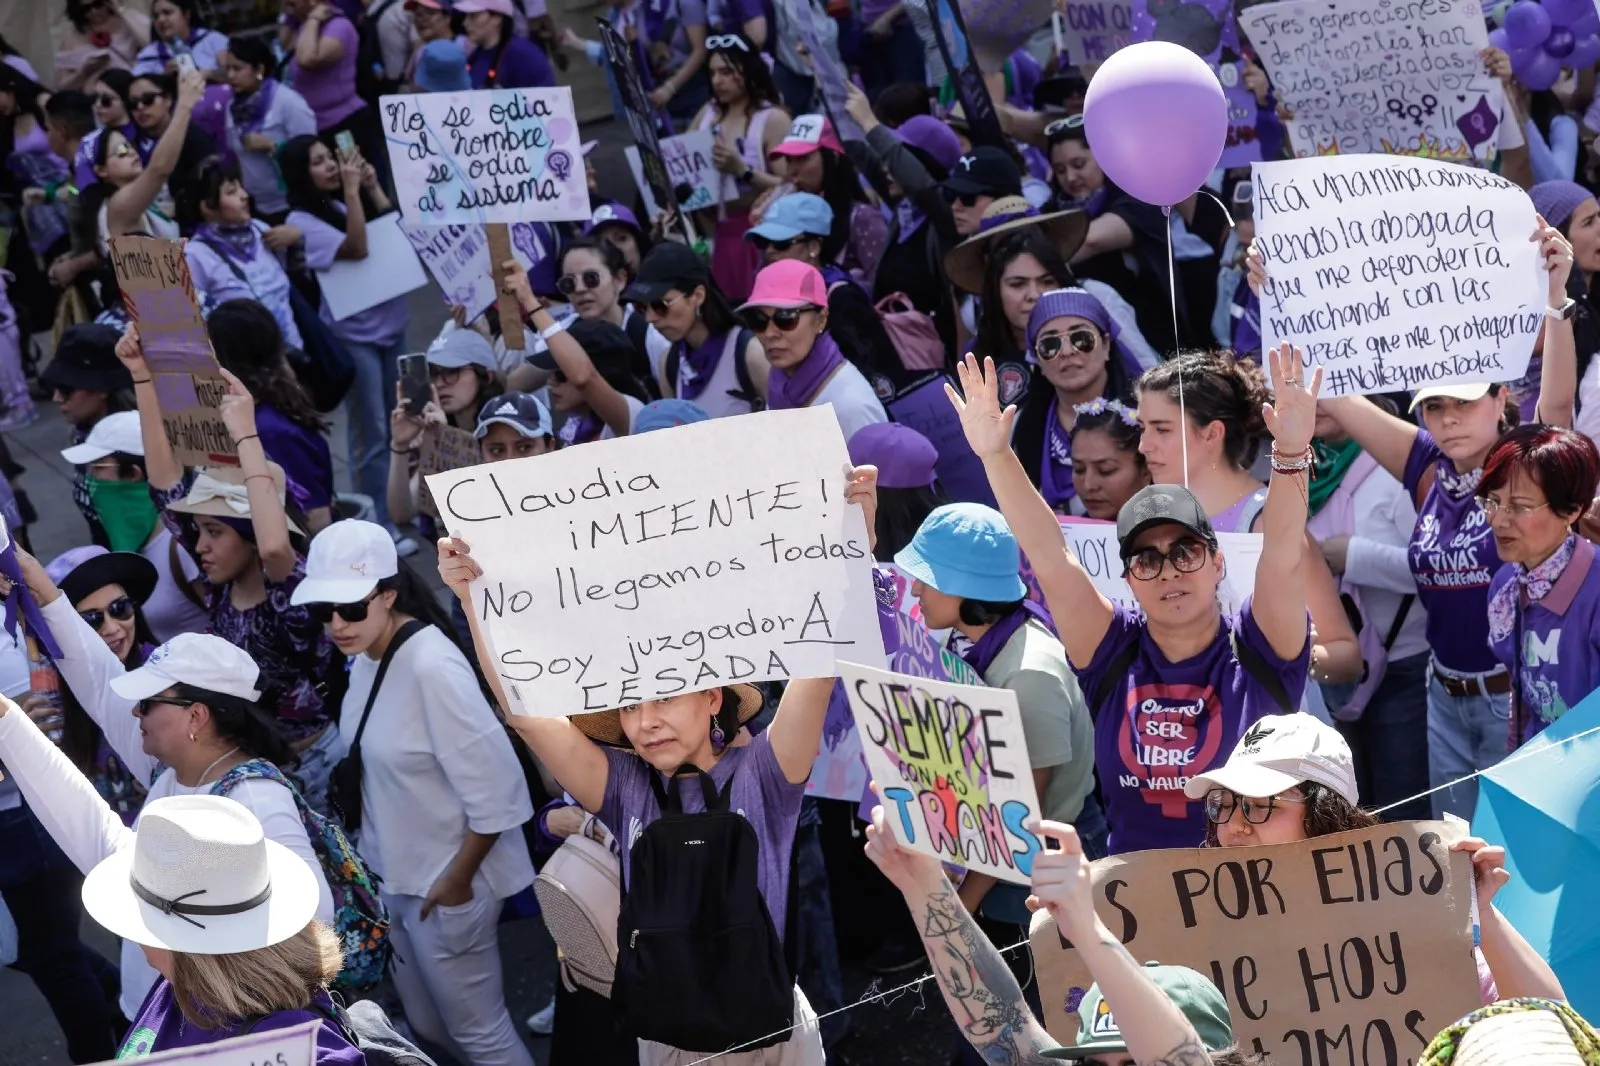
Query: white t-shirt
(168,610)
(854,403)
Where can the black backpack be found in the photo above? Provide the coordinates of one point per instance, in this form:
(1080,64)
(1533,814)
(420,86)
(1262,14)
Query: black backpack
(366,1028)
(371,80)
(747,388)
(699,964)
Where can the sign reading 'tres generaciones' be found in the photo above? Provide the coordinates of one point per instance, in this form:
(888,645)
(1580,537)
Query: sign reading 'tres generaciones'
(639,568)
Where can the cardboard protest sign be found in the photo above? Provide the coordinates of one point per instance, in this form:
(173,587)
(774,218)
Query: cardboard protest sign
(443,448)
(832,78)
(494,155)
(1349,948)
(926,409)
(1093,29)
(391,268)
(1207,28)
(640,567)
(457,256)
(637,110)
(952,765)
(159,294)
(688,160)
(294,1046)
(1395,273)
(1380,76)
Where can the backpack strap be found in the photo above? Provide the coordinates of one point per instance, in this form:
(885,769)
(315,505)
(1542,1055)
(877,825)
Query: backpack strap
(1399,619)
(407,631)
(1257,668)
(1113,674)
(249,770)
(671,801)
(747,387)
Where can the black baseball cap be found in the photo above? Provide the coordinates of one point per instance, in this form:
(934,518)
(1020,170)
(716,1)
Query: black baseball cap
(1159,505)
(985,171)
(669,265)
(609,348)
(86,358)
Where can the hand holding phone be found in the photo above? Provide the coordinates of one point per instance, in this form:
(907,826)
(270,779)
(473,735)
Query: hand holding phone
(416,383)
(345,142)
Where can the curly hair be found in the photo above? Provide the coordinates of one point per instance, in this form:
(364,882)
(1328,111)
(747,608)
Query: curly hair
(1216,387)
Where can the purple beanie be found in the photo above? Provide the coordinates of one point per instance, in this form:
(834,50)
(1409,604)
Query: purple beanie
(905,458)
(1078,302)
(932,136)
(1556,200)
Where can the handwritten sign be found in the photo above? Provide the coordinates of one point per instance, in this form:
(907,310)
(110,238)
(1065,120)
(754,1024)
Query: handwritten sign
(496,155)
(1386,76)
(458,258)
(294,1046)
(688,160)
(1397,273)
(443,448)
(1355,947)
(640,567)
(953,768)
(1093,29)
(637,110)
(926,409)
(158,292)
(391,268)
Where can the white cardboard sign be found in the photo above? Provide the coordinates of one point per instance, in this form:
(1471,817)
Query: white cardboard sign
(1397,273)
(688,159)
(390,269)
(294,1046)
(458,258)
(641,567)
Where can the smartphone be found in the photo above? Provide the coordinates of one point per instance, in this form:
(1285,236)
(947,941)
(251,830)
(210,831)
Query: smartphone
(416,384)
(345,142)
(186,64)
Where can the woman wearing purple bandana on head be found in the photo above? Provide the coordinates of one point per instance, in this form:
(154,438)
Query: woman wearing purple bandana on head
(263,115)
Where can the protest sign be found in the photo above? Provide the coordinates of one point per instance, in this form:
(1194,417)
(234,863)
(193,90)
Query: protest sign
(688,160)
(926,409)
(1396,273)
(495,155)
(1387,76)
(443,448)
(724,552)
(966,76)
(159,294)
(458,258)
(952,765)
(1207,28)
(636,109)
(1093,29)
(1351,948)
(510,307)
(294,1046)
(391,268)
(831,76)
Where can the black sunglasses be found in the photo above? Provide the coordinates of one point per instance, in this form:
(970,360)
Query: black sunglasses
(763,243)
(1186,556)
(567,284)
(120,608)
(965,199)
(1051,345)
(660,306)
(144,100)
(785,318)
(107,100)
(144,705)
(322,613)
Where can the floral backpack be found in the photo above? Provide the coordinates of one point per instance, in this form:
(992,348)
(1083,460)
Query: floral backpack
(360,919)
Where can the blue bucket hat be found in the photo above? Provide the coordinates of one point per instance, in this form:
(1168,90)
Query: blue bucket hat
(966,550)
(664,414)
(794,215)
(442,68)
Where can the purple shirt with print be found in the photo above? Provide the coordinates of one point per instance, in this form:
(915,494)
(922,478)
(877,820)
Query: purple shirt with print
(1162,723)
(521,65)
(381,324)
(161,1026)
(1453,558)
(331,91)
(303,454)
(760,792)
(1560,641)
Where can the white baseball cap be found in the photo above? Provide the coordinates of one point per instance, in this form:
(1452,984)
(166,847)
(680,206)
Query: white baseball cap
(113,433)
(199,660)
(1279,752)
(1465,393)
(345,563)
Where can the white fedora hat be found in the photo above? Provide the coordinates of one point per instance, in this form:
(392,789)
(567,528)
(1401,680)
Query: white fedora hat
(201,878)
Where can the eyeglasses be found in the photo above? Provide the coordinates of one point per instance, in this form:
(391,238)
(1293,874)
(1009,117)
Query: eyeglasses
(107,99)
(1220,805)
(567,284)
(120,608)
(445,375)
(144,100)
(322,613)
(764,243)
(144,705)
(1186,556)
(728,40)
(1051,345)
(785,318)
(660,307)
(1514,511)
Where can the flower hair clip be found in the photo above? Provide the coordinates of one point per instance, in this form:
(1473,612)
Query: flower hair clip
(1100,405)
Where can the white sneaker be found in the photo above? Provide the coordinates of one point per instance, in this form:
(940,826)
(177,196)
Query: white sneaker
(543,1022)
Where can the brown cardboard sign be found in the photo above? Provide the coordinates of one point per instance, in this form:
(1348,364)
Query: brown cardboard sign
(443,448)
(160,296)
(499,235)
(1354,948)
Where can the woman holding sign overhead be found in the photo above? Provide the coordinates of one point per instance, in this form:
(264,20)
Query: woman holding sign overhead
(1171,686)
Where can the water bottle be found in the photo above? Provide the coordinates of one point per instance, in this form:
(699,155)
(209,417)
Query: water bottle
(43,680)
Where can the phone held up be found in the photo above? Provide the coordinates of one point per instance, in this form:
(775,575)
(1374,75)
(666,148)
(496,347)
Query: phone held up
(416,383)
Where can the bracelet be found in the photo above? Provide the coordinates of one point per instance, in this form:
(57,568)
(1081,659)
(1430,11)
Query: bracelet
(247,477)
(141,381)
(241,440)
(399,451)
(552,329)
(1292,465)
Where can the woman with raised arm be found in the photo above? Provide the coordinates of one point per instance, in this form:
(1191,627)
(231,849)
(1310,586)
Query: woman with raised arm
(1172,690)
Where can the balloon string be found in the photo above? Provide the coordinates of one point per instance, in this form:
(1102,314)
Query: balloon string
(1172,299)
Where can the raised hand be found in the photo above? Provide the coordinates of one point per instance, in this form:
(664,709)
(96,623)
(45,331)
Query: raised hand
(909,871)
(1291,417)
(1556,252)
(987,427)
(237,408)
(131,352)
(1489,873)
(1062,883)
(1256,269)
(457,569)
(862,489)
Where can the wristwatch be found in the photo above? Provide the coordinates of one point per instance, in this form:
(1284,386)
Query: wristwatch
(1565,313)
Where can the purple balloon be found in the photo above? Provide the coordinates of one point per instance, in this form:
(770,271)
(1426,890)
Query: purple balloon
(1587,25)
(1527,25)
(1497,39)
(1560,42)
(1566,12)
(1541,72)
(1585,53)
(1157,120)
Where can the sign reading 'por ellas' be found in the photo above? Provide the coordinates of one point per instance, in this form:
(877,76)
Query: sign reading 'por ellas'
(1396,273)
(1351,948)
(641,567)
(495,155)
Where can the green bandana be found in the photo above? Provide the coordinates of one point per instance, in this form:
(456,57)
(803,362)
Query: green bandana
(1333,460)
(126,511)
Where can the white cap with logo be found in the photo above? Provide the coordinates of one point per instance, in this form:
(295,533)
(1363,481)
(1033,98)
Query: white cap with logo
(117,432)
(198,660)
(1279,752)
(345,563)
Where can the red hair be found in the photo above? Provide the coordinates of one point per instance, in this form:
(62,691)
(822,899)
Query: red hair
(1562,462)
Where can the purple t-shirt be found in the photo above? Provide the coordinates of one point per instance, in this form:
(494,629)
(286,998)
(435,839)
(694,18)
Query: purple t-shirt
(1560,641)
(1162,723)
(1453,558)
(760,792)
(382,324)
(302,453)
(522,65)
(161,1026)
(331,91)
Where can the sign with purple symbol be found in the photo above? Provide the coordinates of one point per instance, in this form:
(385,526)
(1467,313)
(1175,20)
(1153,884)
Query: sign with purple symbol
(1381,76)
(497,155)
(1207,28)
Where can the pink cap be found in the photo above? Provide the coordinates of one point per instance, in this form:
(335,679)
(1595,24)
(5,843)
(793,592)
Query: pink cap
(806,133)
(498,7)
(788,283)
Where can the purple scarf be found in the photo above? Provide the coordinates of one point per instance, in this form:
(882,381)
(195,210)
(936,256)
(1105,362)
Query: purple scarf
(981,655)
(21,602)
(250,112)
(1055,465)
(582,429)
(910,219)
(697,365)
(239,243)
(799,387)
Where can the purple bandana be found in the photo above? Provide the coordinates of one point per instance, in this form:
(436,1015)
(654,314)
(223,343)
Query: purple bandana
(21,602)
(1055,465)
(238,243)
(981,655)
(909,218)
(697,365)
(1536,582)
(250,112)
(799,387)
(582,429)
(1001,218)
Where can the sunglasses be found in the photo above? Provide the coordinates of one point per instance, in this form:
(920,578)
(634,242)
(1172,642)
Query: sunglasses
(122,150)
(322,613)
(785,318)
(107,100)
(660,307)
(1062,127)
(567,284)
(144,100)
(1186,556)
(1220,805)
(965,199)
(1051,345)
(144,705)
(763,243)
(726,41)
(120,608)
